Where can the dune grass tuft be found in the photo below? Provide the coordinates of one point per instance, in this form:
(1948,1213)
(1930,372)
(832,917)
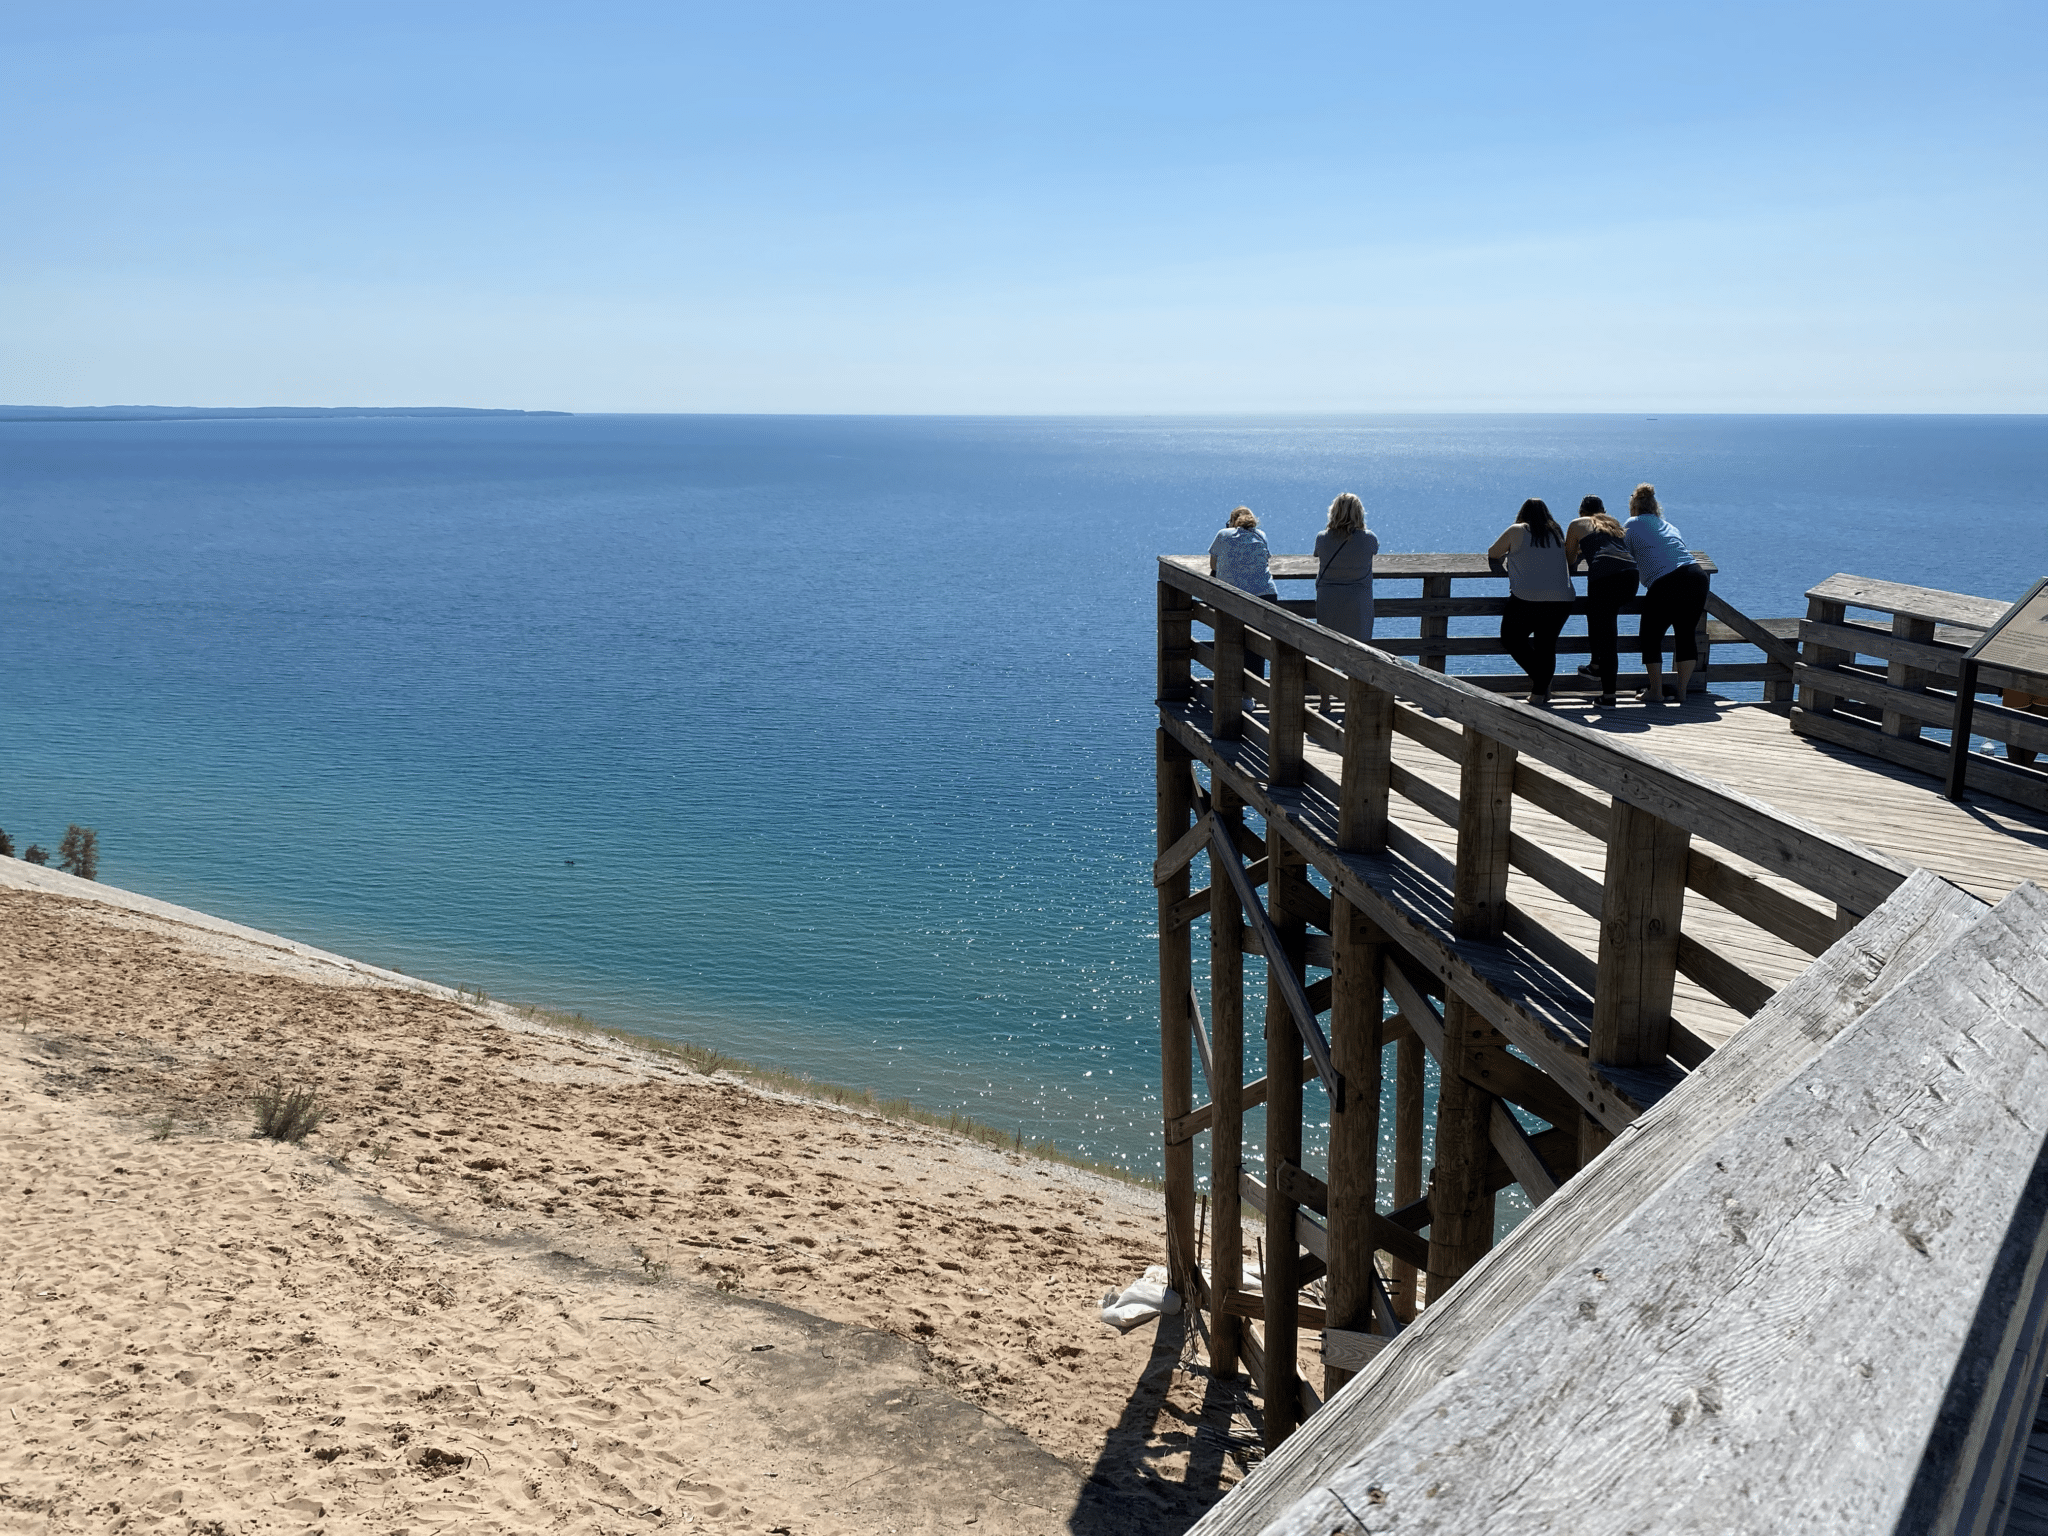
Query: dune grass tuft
(288,1115)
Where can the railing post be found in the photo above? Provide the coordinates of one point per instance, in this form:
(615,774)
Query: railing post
(1356,1011)
(1226,1131)
(1281,1281)
(1227,691)
(1903,674)
(1176,794)
(1435,626)
(1820,611)
(1368,766)
(1287,716)
(1642,904)
(1176,645)
(1409,1090)
(1486,798)
(1698,681)
(1461,1210)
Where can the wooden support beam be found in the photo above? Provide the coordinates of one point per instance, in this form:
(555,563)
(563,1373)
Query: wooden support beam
(1346,1351)
(1644,901)
(1408,1106)
(1258,1306)
(1226,1085)
(1203,1116)
(1201,1033)
(1352,1200)
(1176,991)
(1520,1154)
(1282,1280)
(1822,611)
(1172,862)
(1284,980)
(1461,1209)
(1368,756)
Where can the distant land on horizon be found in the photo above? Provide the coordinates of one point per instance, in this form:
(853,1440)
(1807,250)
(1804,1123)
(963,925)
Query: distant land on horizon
(210,412)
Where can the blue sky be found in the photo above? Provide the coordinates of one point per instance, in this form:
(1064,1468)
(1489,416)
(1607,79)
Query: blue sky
(1038,208)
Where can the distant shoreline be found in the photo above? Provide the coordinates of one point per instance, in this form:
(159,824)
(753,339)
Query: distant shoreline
(240,412)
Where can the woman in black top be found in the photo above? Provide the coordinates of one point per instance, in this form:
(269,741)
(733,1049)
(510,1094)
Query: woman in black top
(1610,582)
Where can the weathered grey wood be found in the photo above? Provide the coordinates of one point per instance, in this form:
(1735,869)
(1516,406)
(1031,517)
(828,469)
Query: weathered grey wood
(1407,1269)
(1644,900)
(1283,1278)
(1200,1031)
(1226,690)
(1352,1207)
(1988,775)
(1486,798)
(1987,719)
(1821,612)
(1308,1234)
(1173,859)
(1285,983)
(1892,943)
(1769,908)
(1368,761)
(1283,753)
(1461,1206)
(1520,1154)
(1226,1087)
(1829,865)
(1905,677)
(1751,632)
(1176,643)
(1487,1065)
(1721,976)
(1436,625)
(1203,1116)
(1195,904)
(1349,1351)
(1176,1028)
(1958,608)
(1859,1256)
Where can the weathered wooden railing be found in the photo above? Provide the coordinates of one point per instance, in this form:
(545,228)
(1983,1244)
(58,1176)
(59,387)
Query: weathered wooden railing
(1875,686)
(1808,1291)
(1534,953)
(1445,594)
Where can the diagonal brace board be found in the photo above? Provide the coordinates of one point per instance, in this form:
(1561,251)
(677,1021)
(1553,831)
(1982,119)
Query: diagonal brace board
(1225,856)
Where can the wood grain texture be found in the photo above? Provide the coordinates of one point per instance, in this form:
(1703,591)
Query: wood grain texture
(1643,904)
(1856,972)
(1813,1326)
(1175,808)
(1351,1201)
(1226,1084)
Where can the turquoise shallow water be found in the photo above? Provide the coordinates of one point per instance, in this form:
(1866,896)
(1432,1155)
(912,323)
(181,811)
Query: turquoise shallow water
(844,723)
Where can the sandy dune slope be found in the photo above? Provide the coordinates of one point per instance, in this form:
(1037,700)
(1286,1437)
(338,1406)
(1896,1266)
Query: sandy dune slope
(525,1280)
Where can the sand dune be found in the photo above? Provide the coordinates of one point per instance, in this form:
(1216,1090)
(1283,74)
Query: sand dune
(526,1280)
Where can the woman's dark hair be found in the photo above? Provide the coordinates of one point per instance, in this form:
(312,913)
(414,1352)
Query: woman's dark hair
(1592,506)
(1542,526)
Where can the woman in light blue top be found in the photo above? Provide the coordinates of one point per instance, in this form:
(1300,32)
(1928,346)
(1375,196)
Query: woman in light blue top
(1238,555)
(1674,596)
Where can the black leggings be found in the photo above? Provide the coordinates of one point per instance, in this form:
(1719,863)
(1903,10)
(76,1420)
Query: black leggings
(1604,597)
(1674,602)
(1529,631)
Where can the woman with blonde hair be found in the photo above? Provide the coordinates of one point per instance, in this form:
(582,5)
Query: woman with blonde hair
(1674,592)
(1610,582)
(1344,554)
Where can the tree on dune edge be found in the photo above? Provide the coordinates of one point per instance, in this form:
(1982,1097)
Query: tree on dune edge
(79,852)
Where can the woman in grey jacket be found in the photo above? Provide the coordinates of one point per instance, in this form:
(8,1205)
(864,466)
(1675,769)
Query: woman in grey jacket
(1344,553)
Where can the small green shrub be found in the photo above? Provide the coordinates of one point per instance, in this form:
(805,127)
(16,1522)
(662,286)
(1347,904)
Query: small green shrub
(6,845)
(288,1116)
(36,853)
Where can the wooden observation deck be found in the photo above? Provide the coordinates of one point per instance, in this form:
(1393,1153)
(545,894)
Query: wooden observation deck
(1704,928)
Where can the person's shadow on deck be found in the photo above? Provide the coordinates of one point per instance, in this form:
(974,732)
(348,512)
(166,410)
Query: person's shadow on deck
(1124,1494)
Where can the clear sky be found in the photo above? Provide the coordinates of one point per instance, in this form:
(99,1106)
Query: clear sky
(1785,206)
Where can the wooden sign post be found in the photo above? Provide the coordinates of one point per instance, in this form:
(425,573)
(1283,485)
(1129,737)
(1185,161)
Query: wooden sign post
(2017,642)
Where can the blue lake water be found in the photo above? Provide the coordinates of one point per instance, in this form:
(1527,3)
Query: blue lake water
(844,722)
